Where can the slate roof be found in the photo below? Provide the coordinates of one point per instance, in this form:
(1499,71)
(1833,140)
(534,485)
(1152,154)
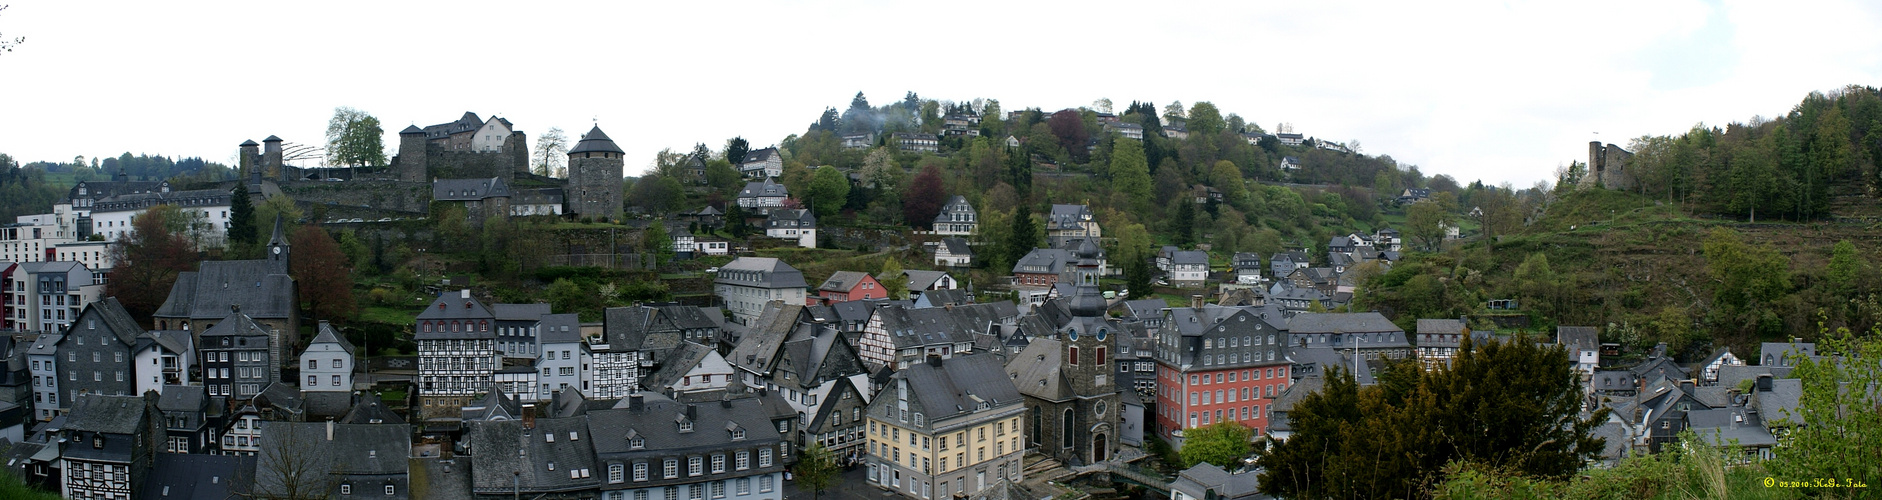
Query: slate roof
(1207,480)
(1773,353)
(945,297)
(190,476)
(1613,380)
(112,314)
(355,449)
(322,405)
(507,457)
(763,189)
(958,386)
(759,155)
(1440,326)
(842,281)
(771,273)
(656,422)
(1780,403)
(1582,337)
(207,293)
(182,398)
(956,246)
(595,141)
(371,410)
(467,123)
(560,329)
(469,189)
(453,305)
(1366,322)
(239,325)
(1036,371)
(327,335)
(804,217)
(107,414)
(676,365)
(955,204)
(1722,425)
(1066,216)
(1144,309)
(1045,261)
(908,327)
(1190,257)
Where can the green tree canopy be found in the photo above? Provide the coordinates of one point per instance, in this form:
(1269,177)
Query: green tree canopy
(828,191)
(1223,444)
(354,139)
(1130,172)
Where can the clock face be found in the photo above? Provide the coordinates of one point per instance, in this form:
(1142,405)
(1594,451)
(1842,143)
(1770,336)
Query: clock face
(277,250)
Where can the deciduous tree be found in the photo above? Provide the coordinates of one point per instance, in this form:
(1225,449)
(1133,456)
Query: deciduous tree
(925,197)
(1205,119)
(1223,444)
(1130,173)
(148,260)
(354,139)
(1068,127)
(551,158)
(892,279)
(829,189)
(816,470)
(323,274)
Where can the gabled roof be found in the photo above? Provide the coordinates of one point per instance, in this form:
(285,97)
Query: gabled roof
(520,312)
(764,189)
(676,365)
(507,456)
(1366,322)
(760,155)
(1067,216)
(1440,326)
(208,293)
(957,387)
(353,449)
(595,141)
(923,280)
(111,315)
(843,281)
(956,246)
(771,273)
(560,329)
(180,476)
(327,335)
(183,398)
(107,414)
(1578,337)
(908,327)
(1190,257)
(1037,371)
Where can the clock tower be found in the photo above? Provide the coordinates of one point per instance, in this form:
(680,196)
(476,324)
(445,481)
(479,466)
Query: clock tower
(277,252)
(1070,382)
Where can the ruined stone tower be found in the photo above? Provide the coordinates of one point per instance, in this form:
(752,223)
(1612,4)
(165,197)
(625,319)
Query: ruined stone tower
(271,158)
(1607,167)
(595,172)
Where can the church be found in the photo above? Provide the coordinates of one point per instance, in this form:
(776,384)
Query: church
(1068,382)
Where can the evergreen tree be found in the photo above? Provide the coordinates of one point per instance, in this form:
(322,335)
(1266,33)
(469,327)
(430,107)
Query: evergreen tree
(1024,236)
(1183,225)
(1137,278)
(1130,173)
(735,149)
(242,231)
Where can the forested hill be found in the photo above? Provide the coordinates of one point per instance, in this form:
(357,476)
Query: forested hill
(1679,259)
(33,187)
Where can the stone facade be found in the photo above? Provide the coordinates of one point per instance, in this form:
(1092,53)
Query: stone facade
(595,172)
(1607,167)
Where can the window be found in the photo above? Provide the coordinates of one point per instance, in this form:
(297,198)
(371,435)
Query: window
(764,484)
(314,364)
(616,473)
(313,380)
(336,380)
(640,471)
(346,489)
(744,486)
(718,489)
(764,457)
(336,362)
(389,490)
(694,466)
(718,464)
(743,460)
(672,469)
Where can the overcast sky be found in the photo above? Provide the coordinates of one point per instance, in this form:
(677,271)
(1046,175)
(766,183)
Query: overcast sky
(1498,91)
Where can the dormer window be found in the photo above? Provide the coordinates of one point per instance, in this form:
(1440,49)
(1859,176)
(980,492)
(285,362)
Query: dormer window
(686,426)
(637,443)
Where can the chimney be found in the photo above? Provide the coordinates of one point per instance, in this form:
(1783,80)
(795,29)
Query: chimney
(529,416)
(1687,386)
(1764,383)
(235,308)
(1195,300)
(329,429)
(725,402)
(934,360)
(635,402)
(465,293)
(692,412)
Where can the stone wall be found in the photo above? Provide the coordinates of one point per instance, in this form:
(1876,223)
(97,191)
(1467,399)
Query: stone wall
(1607,167)
(374,195)
(594,186)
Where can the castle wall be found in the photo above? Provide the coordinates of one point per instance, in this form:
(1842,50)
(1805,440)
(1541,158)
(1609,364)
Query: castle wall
(377,195)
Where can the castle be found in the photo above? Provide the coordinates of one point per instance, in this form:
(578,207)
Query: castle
(443,158)
(1607,167)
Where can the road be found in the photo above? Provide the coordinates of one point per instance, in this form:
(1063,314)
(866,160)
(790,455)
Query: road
(854,486)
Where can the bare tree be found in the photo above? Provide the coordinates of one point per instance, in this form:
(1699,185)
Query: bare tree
(6,45)
(552,154)
(290,466)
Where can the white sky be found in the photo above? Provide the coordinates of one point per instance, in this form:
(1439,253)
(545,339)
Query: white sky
(1499,91)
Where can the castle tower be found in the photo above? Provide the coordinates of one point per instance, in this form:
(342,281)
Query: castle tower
(271,158)
(411,159)
(250,153)
(516,146)
(595,172)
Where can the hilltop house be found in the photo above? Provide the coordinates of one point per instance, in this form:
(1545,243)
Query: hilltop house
(956,218)
(793,224)
(762,163)
(761,197)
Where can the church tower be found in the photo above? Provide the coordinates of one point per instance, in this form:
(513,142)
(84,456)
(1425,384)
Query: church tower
(277,256)
(1089,423)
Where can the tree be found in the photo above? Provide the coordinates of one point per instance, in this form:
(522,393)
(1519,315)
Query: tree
(1227,178)
(925,197)
(1205,120)
(1502,404)
(735,221)
(735,149)
(1183,224)
(1174,112)
(1137,278)
(148,260)
(892,279)
(1843,269)
(1833,431)
(655,241)
(1102,105)
(880,171)
(1425,221)
(241,217)
(354,139)
(323,273)
(656,194)
(1130,173)
(721,176)
(552,154)
(816,470)
(1068,127)
(1024,236)
(1223,444)
(828,191)
(1746,276)
(285,469)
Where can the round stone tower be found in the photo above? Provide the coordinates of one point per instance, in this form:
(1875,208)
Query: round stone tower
(595,172)
(411,160)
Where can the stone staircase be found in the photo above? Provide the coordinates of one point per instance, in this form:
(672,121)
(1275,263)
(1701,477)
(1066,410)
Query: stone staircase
(1039,469)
